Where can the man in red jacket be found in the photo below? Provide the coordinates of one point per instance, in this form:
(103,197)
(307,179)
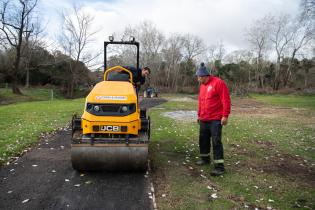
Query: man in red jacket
(214,105)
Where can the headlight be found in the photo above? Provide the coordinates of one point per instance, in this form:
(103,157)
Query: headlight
(124,108)
(96,108)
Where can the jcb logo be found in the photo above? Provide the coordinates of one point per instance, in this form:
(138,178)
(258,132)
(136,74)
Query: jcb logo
(109,128)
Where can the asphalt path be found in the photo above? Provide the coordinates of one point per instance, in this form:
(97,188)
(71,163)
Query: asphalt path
(43,178)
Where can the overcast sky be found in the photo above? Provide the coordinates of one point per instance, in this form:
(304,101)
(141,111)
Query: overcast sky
(212,20)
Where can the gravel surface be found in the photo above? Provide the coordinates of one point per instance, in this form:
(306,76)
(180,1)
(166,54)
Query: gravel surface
(43,178)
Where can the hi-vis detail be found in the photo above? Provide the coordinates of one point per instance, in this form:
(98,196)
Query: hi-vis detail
(109,128)
(118,98)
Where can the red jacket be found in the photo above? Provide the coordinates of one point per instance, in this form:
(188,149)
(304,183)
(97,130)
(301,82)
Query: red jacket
(214,100)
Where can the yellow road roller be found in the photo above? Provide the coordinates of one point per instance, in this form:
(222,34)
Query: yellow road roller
(113,132)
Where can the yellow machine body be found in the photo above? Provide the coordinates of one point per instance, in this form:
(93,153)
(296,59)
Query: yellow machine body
(112,92)
(112,133)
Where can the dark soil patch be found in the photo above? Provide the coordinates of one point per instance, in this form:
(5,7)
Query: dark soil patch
(292,168)
(267,144)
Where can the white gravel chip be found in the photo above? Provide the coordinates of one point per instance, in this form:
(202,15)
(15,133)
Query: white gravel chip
(53,171)
(163,195)
(67,180)
(9,192)
(26,200)
(77,185)
(34,165)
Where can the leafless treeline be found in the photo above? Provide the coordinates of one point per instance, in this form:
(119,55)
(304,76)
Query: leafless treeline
(279,56)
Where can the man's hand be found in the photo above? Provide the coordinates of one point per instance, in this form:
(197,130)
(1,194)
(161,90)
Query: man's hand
(224,121)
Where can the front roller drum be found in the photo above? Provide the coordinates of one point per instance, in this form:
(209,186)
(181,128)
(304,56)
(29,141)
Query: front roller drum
(110,157)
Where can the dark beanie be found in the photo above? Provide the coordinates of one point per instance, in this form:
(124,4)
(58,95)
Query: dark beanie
(202,71)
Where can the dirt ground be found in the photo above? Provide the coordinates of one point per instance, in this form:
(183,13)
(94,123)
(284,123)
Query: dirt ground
(43,178)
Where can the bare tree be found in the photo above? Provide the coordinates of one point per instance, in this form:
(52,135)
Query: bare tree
(76,35)
(192,46)
(151,40)
(280,36)
(308,9)
(302,34)
(216,52)
(172,55)
(16,23)
(258,37)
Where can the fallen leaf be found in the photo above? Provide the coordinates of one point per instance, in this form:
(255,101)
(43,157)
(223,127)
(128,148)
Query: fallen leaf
(214,195)
(203,176)
(163,195)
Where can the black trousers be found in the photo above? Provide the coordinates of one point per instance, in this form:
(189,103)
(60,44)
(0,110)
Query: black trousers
(211,132)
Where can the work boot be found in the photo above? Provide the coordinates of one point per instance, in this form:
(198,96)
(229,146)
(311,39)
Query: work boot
(218,170)
(202,162)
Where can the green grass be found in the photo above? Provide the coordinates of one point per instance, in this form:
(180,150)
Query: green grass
(296,101)
(29,94)
(254,146)
(21,124)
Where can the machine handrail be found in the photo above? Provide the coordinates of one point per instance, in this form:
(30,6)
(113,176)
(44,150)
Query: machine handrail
(115,68)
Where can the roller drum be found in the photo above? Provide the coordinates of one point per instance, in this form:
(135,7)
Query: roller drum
(120,157)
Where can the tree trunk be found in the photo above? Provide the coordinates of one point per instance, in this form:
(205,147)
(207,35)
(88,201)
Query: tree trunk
(27,81)
(15,87)
(288,72)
